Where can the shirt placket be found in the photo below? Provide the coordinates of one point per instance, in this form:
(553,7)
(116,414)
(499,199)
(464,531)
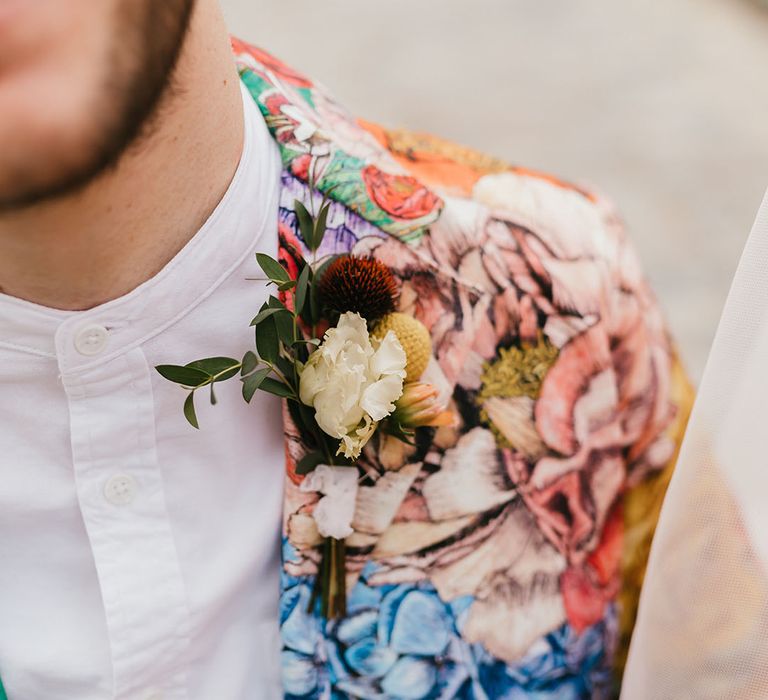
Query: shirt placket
(121,497)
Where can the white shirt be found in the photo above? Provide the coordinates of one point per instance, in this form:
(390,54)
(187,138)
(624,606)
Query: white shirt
(139,557)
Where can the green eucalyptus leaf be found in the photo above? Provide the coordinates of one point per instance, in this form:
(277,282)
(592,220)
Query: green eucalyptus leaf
(189,410)
(287,368)
(228,374)
(272,269)
(220,368)
(250,363)
(213,396)
(282,319)
(285,286)
(267,342)
(213,365)
(308,462)
(186,376)
(302,285)
(284,325)
(307,418)
(265,313)
(306,225)
(307,341)
(278,388)
(315,303)
(253,381)
(321,225)
(275,303)
(323,266)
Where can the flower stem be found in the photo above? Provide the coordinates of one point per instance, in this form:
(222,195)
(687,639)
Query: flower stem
(331,581)
(283,377)
(340,600)
(325,578)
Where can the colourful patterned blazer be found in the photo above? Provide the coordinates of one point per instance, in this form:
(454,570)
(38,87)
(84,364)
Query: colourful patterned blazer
(501,558)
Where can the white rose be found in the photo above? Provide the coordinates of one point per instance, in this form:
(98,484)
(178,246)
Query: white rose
(353,382)
(334,512)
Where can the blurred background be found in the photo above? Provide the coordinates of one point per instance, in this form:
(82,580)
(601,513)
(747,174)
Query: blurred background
(662,104)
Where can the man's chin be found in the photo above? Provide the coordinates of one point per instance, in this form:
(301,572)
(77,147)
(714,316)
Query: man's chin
(50,141)
(67,115)
(40,180)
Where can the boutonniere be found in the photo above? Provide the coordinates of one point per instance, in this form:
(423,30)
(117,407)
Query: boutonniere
(332,344)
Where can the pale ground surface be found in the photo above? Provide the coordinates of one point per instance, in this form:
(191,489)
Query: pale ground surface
(663,104)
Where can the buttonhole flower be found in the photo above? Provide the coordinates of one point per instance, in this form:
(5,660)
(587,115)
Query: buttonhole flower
(352,381)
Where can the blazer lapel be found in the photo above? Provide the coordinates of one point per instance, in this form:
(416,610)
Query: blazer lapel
(379,210)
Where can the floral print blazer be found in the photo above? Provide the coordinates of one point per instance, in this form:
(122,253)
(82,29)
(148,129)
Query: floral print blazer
(500,558)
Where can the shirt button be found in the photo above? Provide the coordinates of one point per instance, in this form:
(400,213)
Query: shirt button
(120,490)
(91,339)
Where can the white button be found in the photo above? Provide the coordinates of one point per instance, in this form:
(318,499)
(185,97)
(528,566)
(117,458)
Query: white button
(120,489)
(91,339)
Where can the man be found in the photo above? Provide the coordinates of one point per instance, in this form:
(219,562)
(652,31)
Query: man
(139,174)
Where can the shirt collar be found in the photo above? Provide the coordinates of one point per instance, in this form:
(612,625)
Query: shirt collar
(247,210)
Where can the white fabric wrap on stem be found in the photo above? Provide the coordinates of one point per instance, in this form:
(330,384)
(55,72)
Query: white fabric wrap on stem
(335,510)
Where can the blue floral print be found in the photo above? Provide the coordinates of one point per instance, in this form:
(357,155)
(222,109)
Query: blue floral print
(402,642)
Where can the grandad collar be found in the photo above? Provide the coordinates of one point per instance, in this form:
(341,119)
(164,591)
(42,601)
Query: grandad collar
(83,339)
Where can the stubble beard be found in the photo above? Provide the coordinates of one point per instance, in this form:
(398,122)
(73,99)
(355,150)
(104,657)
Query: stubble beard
(148,38)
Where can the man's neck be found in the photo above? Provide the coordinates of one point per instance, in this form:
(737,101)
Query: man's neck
(100,243)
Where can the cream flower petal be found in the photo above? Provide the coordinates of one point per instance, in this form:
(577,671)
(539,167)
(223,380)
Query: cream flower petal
(351,384)
(310,383)
(389,357)
(352,326)
(378,400)
(352,444)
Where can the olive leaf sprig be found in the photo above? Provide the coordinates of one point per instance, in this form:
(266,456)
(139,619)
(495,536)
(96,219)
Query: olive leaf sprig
(282,343)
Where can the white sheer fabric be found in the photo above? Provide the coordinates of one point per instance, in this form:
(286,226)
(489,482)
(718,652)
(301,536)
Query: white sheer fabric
(702,630)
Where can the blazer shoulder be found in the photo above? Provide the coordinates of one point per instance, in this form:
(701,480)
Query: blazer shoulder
(453,167)
(414,185)
(576,220)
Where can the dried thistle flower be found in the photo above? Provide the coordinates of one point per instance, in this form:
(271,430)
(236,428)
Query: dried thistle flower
(362,285)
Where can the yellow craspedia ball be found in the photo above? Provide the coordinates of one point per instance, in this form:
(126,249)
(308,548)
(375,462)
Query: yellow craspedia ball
(413,336)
